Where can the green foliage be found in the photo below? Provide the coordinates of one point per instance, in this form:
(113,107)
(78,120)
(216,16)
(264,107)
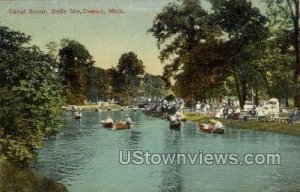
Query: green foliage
(30,97)
(98,84)
(192,49)
(170,97)
(232,50)
(74,65)
(13,178)
(126,78)
(153,85)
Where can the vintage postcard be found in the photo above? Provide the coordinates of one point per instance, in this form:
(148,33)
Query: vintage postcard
(140,95)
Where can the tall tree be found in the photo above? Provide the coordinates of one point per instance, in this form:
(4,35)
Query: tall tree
(98,84)
(74,64)
(153,85)
(130,70)
(244,27)
(285,15)
(182,29)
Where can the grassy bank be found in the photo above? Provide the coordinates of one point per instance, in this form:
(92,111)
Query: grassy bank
(93,107)
(13,178)
(275,127)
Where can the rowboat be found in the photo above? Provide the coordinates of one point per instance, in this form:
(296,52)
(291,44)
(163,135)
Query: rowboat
(211,128)
(122,125)
(78,115)
(175,124)
(107,124)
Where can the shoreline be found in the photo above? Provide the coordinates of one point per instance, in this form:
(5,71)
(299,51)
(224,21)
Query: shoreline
(93,107)
(275,127)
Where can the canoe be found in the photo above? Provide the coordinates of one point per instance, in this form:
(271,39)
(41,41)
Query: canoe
(107,124)
(175,125)
(122,125)
(210,129)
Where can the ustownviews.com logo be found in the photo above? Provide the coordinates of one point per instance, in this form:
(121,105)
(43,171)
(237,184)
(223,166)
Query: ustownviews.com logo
(139,157)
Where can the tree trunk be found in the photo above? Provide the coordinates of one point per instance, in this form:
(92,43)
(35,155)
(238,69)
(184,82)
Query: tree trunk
(243,94)
(237,87)
(256,97)
(267,85)
(297,49)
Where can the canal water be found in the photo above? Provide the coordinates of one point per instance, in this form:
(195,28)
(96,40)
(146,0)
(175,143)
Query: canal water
(85,157)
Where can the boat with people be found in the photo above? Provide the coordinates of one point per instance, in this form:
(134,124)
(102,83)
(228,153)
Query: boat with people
(211,127)
(122,125)
(126,124)
(174,122)
(78,115)
(107,123)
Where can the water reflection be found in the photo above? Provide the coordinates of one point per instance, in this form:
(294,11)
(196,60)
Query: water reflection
(84,156)
(171,178)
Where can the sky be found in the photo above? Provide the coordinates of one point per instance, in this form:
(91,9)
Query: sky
(106,36)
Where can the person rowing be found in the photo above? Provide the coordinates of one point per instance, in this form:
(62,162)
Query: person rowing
(128,120)
(218,125)
(109,120)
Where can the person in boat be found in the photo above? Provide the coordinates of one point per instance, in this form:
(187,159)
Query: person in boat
(109,120)
(172,118)
(294,116)
(128,120)
(218,125)
(211,124)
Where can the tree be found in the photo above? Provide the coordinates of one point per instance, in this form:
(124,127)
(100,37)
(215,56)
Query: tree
(284,16)
(30,97)
(245,27)
(191,44)
(153,85)
(98,84)
(130,70)
(177,29)
(74,64)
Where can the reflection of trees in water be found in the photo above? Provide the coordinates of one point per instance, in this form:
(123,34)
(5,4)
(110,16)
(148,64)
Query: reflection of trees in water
(136,116)
(171,180)
(134,135)
(132,139)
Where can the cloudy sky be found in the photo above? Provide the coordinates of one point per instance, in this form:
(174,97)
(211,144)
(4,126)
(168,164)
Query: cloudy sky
(105,36)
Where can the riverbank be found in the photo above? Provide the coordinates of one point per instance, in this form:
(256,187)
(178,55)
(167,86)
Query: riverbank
(283,128)
(13,178)
(93,107)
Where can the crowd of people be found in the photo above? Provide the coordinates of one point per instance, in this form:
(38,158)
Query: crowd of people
(265,110)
